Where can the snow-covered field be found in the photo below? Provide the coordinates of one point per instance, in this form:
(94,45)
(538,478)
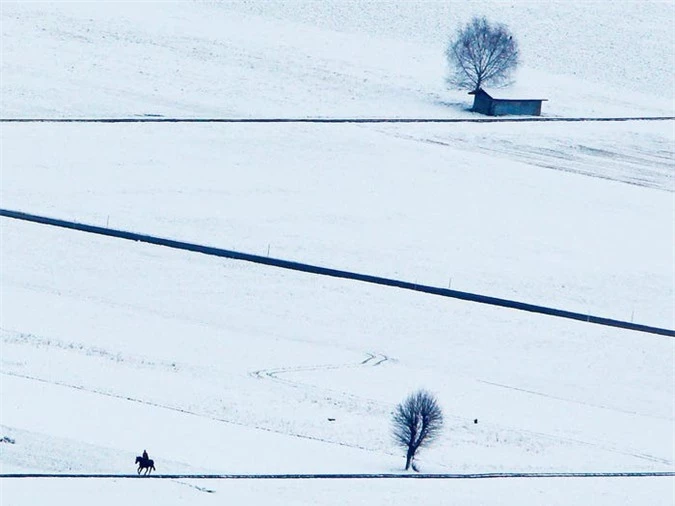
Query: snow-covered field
(108,347)
(323,58)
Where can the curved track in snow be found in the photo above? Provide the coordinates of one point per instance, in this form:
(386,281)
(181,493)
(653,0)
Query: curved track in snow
(372,360)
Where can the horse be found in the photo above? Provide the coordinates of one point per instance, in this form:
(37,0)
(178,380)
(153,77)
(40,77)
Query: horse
(147,464)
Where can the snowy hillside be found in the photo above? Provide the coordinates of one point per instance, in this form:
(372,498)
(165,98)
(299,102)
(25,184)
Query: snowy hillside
(482,208)
(327,58)
(108,347)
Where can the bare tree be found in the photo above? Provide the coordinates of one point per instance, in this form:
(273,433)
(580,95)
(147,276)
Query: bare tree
(417,421)
(482,53)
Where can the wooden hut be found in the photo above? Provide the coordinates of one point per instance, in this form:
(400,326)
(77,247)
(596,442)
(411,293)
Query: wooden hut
(485,103)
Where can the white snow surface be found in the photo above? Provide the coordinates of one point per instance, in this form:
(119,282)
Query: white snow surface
(108,347)
(323,58)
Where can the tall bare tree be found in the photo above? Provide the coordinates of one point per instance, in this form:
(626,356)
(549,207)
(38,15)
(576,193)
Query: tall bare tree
(416,421)
(482,53)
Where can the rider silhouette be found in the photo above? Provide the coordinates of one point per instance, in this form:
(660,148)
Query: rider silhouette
(145,455)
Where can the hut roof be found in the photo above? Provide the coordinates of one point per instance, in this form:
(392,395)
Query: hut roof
(515,93)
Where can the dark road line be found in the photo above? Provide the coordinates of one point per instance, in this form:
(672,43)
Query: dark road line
(330,120)
(326,271)
(418,476)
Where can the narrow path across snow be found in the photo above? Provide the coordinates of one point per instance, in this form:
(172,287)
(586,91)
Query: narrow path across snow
(517,119)
(418,476)
(337,273)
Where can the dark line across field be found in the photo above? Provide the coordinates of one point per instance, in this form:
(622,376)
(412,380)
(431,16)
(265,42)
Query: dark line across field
(154,119)
(326,271)
(419,476)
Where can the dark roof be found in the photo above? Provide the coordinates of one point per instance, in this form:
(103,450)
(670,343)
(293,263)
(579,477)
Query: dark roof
(475,92)
(482,91)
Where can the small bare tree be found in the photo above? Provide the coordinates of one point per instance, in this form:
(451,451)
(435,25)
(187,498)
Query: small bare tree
(482,53)
(417,421)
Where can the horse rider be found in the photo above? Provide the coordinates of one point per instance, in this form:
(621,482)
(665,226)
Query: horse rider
(145,456)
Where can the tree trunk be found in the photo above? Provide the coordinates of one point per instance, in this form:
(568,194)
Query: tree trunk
(408,458)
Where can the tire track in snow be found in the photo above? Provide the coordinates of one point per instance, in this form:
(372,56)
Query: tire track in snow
(629,452)
(629,169)
(573,401)
(600,446)
(589,444)
(9,336)
(181,410)
(372,360)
